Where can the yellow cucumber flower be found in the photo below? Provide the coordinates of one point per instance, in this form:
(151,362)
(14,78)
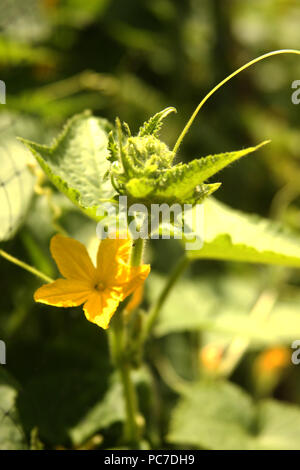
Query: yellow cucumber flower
(99,288)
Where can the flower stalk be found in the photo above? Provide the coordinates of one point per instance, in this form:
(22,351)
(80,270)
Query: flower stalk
(132,431)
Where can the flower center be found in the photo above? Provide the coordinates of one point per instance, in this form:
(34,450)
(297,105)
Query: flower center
(100,286)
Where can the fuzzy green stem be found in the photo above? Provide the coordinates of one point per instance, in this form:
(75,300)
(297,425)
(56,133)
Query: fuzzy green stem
(137,252)
(249,64)
(25,266)
(131,430)
(120,357)
(118,353)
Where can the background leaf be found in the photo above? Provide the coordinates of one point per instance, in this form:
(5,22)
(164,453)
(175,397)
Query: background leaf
(16,180)
(12,436)
(232,235)
(222,416)
(213,416)
(74,377)
(222,305)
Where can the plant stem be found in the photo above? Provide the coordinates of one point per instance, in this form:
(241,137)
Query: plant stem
(155,310)
(122,361)
(118,353)
(137,252)
(131,429)
(25,266)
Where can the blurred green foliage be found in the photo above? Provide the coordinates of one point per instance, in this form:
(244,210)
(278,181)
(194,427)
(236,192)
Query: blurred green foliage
(132,59)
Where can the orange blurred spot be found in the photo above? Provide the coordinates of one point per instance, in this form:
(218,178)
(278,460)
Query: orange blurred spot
(210,356)
(273,358)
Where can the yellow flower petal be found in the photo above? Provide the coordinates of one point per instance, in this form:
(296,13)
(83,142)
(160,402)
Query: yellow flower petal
(137,276)
(136,299)
(100,307)
(72,258)
(100,289)
(112,258)
(63,293)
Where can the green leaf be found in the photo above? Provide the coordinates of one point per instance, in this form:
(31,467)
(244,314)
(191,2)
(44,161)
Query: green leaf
(179,183)
(74,377)
(214,415)
(77,161)
(183,183)
(235,236)
(16,180)
(220,415)
(140,188)
(76,393)
(109,410)
(12,436)
(278,425)
(222,304)
(153,126)
(16,186)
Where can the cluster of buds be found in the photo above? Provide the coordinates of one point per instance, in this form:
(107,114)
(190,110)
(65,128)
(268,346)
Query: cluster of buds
(142,165)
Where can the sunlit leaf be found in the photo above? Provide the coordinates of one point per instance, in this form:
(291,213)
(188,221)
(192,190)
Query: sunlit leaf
(232,235)
(180,181)
(16,180)
(77,161)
